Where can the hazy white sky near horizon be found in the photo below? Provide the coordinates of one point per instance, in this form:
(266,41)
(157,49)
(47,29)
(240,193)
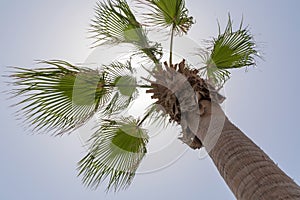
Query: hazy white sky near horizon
(262,102)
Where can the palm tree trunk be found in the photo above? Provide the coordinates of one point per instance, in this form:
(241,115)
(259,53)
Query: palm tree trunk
(247,170)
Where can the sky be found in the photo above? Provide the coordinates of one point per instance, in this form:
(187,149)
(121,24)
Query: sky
(261,101)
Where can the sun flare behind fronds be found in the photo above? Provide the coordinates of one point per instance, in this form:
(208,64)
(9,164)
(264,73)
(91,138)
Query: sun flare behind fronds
(61,97)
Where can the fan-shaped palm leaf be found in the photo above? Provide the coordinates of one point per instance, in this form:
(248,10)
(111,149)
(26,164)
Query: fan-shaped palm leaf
(115,23)
(168,13)
(58,98)
(116,152)
(121,76)
(232,49)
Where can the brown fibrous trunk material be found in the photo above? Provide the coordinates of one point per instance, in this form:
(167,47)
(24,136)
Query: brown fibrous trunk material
(194,104)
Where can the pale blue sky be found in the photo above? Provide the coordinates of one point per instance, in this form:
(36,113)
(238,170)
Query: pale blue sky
(263,102)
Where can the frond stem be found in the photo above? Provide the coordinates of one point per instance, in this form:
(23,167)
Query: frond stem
(144,118)
(114,85)
(202,68)
(171,44)
(151,56)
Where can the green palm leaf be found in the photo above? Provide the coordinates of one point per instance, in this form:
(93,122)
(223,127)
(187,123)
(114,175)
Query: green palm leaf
(115,23)
(121,76)
(115,154)
(230,50)
(58,98)
(168,13)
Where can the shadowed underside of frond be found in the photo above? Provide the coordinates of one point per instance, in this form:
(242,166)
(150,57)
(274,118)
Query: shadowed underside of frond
(61,97)
(122,77)
(58,98)
(117,149)
(115,23)
(230,50)
(166,13)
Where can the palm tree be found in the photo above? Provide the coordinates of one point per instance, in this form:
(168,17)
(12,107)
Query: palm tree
(60,97)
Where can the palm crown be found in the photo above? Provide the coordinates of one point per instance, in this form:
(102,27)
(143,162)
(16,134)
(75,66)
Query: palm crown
(60,97)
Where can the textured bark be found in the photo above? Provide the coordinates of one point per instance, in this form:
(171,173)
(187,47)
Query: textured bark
(247,170)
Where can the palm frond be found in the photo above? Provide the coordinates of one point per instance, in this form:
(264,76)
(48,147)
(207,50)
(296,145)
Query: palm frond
(121,76)
(215,76)
(117,149)
(58,98)
(157,117)
(166,13)
(115,23)
(233,49)
(230,50)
